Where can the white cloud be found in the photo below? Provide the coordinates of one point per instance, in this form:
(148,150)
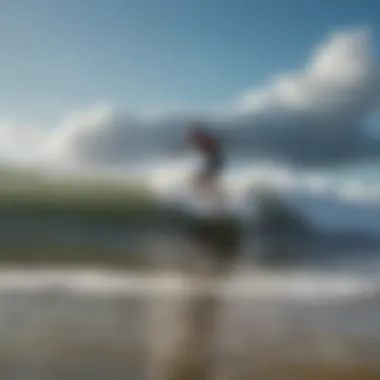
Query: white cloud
(20,143)
(337,70)
(310,116)
(79,126)
(316,113)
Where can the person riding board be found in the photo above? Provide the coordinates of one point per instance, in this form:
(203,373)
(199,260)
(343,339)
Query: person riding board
(210,147)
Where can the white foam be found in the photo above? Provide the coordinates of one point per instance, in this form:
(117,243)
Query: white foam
(292,286)
(329,203)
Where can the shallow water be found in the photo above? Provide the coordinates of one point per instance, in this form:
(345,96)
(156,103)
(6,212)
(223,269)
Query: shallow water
(320,315)
(71,324)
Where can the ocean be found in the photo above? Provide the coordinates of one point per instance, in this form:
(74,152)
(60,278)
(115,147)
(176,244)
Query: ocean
(316,313)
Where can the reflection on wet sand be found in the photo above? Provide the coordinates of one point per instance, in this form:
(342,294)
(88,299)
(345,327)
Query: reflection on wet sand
(75,324)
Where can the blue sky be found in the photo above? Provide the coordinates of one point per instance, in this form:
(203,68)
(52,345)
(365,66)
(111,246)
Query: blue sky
(59,55)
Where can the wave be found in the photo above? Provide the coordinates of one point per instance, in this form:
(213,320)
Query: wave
(328,202)
(291,285)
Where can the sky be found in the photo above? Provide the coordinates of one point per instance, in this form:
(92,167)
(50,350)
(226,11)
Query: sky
(153,55)
(108,82)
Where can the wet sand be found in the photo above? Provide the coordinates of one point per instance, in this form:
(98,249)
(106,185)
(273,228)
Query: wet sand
(102,325)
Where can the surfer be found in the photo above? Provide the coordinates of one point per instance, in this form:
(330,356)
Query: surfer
(209,146)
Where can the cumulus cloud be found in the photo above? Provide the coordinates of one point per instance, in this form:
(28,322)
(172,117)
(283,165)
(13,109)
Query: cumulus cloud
(20,143)
(315,115)
(101,135)
(312,116)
